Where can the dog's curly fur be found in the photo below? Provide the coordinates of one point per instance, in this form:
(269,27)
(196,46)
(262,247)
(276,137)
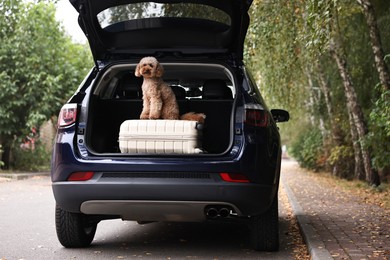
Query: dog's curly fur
(159,101)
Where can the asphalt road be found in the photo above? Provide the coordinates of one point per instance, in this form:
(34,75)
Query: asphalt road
(27,231)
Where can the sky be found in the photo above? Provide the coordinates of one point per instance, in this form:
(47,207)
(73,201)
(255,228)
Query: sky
(68,16)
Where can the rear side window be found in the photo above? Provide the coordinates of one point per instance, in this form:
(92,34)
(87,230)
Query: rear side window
(128,12)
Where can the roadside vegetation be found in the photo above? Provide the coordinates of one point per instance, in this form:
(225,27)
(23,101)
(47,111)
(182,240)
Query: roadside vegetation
(327,62)
(40,67)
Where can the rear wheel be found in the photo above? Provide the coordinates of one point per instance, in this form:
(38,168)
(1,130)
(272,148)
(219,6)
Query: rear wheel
(74,229)
(265,229)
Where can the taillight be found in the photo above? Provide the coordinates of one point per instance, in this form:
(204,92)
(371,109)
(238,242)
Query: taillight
(80,176)
(256,117)
(234,177)
(68,115)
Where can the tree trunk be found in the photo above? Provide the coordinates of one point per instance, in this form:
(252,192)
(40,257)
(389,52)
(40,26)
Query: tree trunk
(376,43)
(336,132)
(325,88)
(359,168)
(355,110)
(311,102)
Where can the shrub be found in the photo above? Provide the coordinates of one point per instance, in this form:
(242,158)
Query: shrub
(342,159)
(307,149)
(31,159)
(379,134)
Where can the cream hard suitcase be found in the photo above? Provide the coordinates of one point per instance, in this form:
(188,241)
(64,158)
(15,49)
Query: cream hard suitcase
(160,137)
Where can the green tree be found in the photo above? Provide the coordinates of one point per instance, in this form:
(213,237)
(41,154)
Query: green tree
(40,68)
(376,43)
(313,57)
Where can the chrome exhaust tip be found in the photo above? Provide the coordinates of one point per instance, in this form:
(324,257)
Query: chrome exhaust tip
(212,213)
(224,212)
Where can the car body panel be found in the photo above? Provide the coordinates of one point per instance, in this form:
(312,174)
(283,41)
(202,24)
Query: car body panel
(137,36)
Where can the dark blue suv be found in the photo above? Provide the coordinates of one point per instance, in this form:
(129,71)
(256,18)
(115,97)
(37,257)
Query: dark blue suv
(200,45)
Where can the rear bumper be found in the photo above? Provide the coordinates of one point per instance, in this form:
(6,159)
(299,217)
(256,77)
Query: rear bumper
(159,188)
(157,199)
(145,210)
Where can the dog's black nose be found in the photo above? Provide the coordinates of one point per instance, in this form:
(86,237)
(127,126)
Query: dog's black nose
(146,71)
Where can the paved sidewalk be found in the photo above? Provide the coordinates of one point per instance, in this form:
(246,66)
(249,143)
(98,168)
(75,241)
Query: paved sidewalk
(335,224)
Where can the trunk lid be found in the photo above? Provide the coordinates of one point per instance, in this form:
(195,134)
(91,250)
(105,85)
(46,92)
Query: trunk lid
(130,28)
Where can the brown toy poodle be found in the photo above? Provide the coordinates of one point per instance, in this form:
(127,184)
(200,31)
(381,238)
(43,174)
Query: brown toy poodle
(159,101)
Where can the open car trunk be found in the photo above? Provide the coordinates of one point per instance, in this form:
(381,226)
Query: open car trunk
(200,88)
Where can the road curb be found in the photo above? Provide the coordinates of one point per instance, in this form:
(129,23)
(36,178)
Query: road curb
(314,243)
(23,176)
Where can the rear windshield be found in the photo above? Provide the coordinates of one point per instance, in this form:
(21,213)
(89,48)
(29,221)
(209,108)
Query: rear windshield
(146,10)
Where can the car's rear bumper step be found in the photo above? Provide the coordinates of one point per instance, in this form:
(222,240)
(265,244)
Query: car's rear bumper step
(127,198)
(156,210)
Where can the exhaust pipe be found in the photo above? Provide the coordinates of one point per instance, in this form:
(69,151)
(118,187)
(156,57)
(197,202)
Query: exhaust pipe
(217,212)
(212,213)
(224,212)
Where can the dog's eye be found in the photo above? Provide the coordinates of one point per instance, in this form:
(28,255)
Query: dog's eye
(151,65)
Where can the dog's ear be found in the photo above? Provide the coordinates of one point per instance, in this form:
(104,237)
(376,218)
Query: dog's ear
(159,70)
(137,73)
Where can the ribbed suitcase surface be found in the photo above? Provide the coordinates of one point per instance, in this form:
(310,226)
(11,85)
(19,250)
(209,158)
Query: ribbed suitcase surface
(160,137)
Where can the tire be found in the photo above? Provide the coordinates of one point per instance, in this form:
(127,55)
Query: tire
(74,229)
(264,229)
